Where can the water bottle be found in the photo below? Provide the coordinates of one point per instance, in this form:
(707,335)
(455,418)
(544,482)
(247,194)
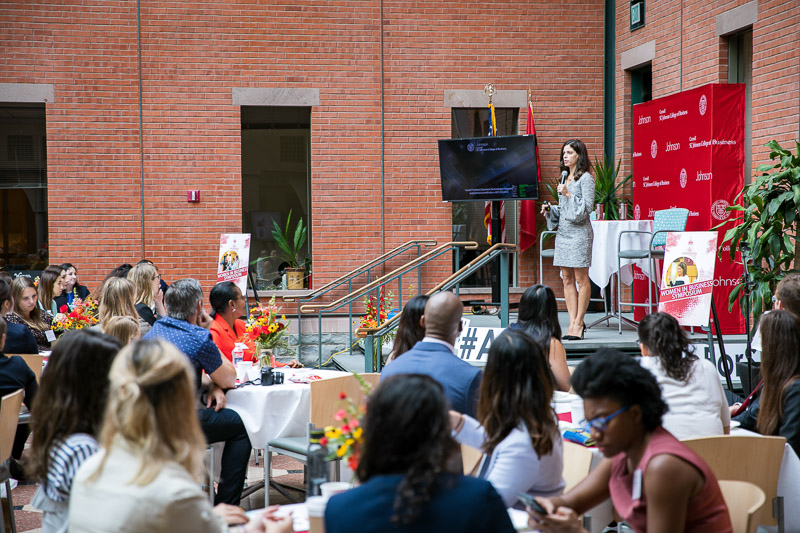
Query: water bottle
(317,463)
(238,354)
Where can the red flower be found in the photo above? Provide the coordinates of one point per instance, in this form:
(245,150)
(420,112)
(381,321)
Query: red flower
(354,423)
(323,441)
(63,309)
(342,395)
(345,428)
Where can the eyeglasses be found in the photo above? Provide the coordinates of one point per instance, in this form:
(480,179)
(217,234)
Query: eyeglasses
(601,422)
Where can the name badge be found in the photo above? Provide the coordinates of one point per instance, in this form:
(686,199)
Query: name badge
(50,335)
(636,492)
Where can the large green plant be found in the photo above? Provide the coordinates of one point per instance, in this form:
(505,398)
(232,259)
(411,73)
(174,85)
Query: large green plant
(768,228)
(607,190)
(290,240)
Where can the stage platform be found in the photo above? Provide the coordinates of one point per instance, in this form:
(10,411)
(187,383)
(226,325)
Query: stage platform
(599,336)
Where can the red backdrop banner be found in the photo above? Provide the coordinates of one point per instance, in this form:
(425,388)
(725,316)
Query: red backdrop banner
(688,151)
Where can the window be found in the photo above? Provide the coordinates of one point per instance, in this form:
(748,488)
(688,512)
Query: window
(468,216)
(740,70)
(642,84)
(23,187)
(276,143)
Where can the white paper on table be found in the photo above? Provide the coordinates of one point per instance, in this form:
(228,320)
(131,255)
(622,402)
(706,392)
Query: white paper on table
(299,513)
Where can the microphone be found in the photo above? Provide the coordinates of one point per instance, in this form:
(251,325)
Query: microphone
(563,176)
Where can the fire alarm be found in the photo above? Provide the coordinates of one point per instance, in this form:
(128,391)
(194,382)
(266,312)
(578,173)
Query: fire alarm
(192,196)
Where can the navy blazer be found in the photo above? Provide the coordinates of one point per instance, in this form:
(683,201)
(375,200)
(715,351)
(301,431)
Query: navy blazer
(460,380)
(462,504)
(19,339)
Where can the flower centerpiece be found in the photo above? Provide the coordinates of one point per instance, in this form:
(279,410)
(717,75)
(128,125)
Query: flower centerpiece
(82,315)
(345,440)
(265,330)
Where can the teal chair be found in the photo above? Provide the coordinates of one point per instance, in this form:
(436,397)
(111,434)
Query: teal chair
(664,221)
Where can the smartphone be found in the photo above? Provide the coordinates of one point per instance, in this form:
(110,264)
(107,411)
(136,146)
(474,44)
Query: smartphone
(528,500)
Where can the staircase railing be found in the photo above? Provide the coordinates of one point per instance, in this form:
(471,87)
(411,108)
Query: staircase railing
(373,337)
(329,308)
(348,279)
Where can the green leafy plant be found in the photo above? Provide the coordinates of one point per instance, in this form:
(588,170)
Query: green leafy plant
(290,240)
(768,228)
(607,190)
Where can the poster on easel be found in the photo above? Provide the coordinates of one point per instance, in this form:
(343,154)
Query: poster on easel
(687,278)
(234,257)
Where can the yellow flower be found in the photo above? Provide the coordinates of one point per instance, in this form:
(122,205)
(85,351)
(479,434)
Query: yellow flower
(333,433)
(342,449)
(357,433)
(283,317)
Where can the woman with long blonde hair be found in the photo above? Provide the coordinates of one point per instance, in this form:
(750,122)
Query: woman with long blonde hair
(116,299)
(148,473)
(149,299)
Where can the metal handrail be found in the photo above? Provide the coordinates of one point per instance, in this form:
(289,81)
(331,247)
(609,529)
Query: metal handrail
(374,364)
(396,274)
(360,270)
(467,245)
(456,277)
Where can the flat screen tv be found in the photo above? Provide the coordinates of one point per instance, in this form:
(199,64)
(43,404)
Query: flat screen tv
(489,168)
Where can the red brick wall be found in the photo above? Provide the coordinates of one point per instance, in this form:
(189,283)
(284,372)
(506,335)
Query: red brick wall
(703,57)
(193,54)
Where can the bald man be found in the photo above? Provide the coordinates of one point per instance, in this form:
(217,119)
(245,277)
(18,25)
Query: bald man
(435,356)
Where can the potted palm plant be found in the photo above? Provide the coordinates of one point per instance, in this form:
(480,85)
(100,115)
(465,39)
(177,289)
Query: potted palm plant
(290,240)
(606,188)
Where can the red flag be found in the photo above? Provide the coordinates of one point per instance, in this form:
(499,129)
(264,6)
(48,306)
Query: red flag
(527,210)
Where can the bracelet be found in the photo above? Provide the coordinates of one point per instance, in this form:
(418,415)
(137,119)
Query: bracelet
(459,425)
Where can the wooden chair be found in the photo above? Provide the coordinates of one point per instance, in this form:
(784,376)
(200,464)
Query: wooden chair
(752,458)
(324,405)
(9,413)
(34,361)
(745,503)
(577,464)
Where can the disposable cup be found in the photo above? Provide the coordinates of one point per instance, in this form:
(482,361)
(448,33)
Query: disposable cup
(332,488)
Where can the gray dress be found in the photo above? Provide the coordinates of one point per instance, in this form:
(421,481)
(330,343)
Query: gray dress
(574,234)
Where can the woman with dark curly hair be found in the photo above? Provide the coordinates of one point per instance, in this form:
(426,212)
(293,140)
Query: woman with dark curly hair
(409,328)
(574,236)
(689,385)
(405,486)
(538,317)
(656,483)
(516,426)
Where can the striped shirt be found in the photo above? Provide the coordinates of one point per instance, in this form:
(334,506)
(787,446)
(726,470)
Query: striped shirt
(65,458)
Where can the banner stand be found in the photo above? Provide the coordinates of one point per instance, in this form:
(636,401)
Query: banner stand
(725,364)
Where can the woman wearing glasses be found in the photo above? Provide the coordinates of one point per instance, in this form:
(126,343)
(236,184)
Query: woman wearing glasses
(574,235)
(656,483)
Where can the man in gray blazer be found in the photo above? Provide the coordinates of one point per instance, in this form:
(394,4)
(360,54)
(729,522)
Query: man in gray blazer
(434,355)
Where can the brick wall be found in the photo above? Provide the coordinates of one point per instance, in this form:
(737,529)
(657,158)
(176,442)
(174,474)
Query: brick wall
(193,54)
(700,57)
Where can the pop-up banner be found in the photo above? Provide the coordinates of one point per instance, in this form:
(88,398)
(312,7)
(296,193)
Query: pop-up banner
(234,257)
(688,151)
(688,276)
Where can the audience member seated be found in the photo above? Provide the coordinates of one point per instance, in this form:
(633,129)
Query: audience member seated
(19,339)
(163,284)
(656,483)
(116,299)
(51,284)
(119,272)
(66,416)
(15,374)
(123,328)
(517,428)
(776,411)
(148,473)
(405,486)
(435,355)
(409,327)
(72,289)
(186,326)
(538,317)
(690,385)
(149,298)
(27,312)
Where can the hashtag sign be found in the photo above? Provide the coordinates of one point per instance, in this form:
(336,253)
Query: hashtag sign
(468,342)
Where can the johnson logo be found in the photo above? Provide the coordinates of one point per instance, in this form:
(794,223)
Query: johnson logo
(639,276)
(651,213)
(637,154)
(637,212)
(644,120)
(683,178)
(704,176)
(673,146)
(703,105)
(653,149)
(718,210)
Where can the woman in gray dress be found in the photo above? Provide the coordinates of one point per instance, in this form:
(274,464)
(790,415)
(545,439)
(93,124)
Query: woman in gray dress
(573,251)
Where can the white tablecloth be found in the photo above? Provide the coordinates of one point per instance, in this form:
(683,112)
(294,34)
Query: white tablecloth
(277,410)
(605,249)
